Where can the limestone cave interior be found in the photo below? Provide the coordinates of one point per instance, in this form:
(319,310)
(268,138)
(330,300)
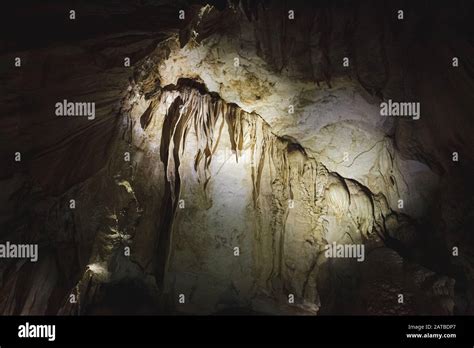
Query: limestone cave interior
(232,142)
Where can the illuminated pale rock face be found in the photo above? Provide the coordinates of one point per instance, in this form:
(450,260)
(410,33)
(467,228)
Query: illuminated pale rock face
(244,216)
(341,126)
